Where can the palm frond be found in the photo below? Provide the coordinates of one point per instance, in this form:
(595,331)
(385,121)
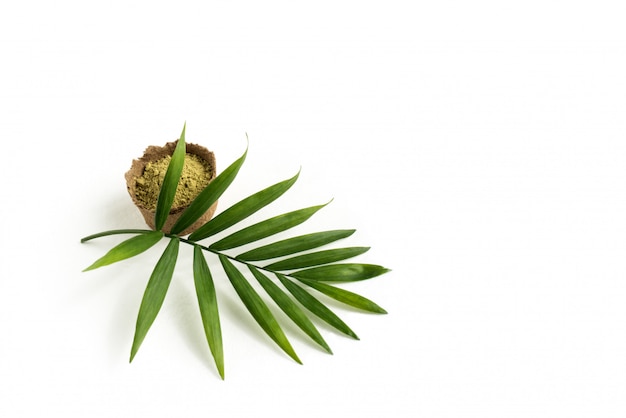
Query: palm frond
(285,262)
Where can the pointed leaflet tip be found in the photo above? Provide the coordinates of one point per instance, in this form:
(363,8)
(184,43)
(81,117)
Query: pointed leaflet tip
(247,143)
(182,134)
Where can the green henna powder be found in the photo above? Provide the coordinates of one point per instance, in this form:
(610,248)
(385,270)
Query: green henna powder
(194,178)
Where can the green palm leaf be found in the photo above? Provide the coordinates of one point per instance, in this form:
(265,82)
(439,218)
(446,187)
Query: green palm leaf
(207,300)
(348,272)
(170,182)
(310,268)
(295,245)
(257,308)
(155,293)
(316,258)
(265,228)
(290,308)
(242,209)
(345,296)
(316,307)
(126,249)
(208,196)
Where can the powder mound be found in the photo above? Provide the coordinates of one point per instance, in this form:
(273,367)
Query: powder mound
(194,178)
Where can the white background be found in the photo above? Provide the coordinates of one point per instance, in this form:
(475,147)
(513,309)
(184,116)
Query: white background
(478,148)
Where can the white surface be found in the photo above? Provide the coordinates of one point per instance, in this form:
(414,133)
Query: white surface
(478,147)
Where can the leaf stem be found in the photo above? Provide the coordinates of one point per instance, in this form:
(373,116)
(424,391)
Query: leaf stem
(217,252)
(115,232)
